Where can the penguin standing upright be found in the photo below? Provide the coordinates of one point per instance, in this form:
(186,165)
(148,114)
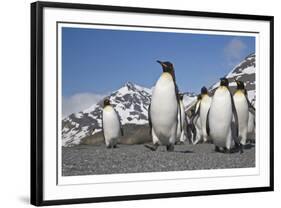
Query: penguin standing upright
(111,125)
(182,124)
(163,111)
(243,107)
(222,121)
(204,108)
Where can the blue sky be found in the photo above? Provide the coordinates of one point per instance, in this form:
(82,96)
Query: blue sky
(99,61)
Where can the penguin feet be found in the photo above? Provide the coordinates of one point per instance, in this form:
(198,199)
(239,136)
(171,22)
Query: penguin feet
(229,151)
(152,147)
(220,149)
(180,143)
(224,150)
(170,148)
(111,146)
(241,149)
(217,149)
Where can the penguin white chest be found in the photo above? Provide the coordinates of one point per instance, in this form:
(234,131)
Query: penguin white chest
(242,109)
(204,108)
(220,116)
(164,108)
(111,124)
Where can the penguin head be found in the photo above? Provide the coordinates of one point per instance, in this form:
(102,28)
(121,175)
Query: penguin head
(240,85)
(106,102)
(204,91)
(167,66)
(224,82)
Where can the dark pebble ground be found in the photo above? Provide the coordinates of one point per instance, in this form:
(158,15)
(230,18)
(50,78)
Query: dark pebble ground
(89,159)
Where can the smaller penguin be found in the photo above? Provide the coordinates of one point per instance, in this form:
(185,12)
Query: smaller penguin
(182,122)
(241,105)
(204,108)
(111,125)
(243,108)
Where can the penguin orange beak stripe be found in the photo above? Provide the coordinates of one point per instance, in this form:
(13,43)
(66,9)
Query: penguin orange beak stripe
(162,64)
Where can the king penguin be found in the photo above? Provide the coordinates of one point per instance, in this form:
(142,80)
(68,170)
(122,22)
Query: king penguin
(222,121)
(243,108)
(163,110)
(111,125)
(182,129)
(204,108)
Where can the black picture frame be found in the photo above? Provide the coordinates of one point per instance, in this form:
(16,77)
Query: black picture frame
(37,80)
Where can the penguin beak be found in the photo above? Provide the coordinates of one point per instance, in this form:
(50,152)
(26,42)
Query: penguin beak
(161,63)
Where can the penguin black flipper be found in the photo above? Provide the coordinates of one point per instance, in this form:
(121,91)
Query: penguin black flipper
(119,119)
(192,127)
(149,120)
(102,126)
(252,109)
(178,100)
(236,125)
(207,124)
(179,111)
(198,110)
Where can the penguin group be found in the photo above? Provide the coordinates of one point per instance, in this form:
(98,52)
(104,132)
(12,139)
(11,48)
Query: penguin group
(224,119)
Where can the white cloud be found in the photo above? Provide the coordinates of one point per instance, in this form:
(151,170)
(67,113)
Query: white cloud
(234,50)
(79,102)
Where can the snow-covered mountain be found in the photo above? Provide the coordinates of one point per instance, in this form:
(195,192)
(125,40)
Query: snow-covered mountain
(131,102)
(244,71)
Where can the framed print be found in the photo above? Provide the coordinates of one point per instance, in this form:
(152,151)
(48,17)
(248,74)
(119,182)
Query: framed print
(140,103)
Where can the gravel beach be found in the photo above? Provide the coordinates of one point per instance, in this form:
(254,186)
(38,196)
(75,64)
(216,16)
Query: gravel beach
(91,160)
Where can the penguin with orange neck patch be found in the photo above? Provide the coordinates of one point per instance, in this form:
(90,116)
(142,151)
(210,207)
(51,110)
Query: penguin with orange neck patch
(163,110)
